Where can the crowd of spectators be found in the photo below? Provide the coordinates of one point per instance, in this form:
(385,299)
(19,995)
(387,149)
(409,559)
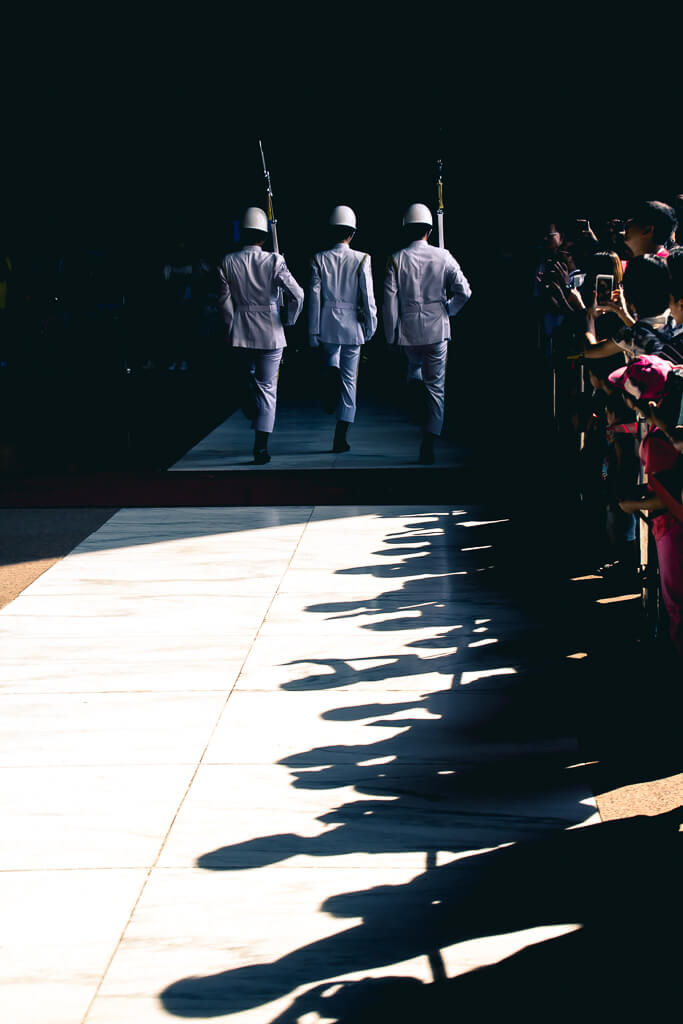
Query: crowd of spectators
(610,314)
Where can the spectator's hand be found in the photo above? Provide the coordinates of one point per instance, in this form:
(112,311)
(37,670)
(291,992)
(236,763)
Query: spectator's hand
(559,272)
(575,300)
(314,341)
(588,232)
(608,307)
(617,305)
(558,297)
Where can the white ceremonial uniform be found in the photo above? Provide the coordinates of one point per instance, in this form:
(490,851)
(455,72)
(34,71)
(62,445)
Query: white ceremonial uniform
(423,287)
(249,282)
(342,314)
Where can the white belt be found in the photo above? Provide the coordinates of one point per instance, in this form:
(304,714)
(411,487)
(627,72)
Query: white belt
(417,307)
(249,307)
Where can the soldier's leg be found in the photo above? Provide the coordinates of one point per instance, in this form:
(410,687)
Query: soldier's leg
(265,379)
(349,359)
(243,365)
(417,393)
(414,355)
(434,377)
(346,406)
(332,382)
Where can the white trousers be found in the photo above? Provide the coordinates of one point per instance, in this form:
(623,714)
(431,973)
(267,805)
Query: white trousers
(428,364)
(346,359)
(264,364)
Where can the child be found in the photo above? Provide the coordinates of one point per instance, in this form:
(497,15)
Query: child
(644,382)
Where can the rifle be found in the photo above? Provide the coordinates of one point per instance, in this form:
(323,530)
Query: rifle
(439,207)
(269,200)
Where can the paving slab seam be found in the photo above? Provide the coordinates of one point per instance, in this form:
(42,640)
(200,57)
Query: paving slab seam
(192,779)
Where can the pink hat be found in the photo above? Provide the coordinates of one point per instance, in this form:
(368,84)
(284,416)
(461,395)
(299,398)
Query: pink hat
(644,377)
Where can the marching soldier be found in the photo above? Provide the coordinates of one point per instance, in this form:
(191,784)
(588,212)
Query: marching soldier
(342,316)
(423,287)
(249,285)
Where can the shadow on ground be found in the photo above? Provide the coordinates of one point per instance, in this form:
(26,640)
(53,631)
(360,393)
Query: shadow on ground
(488,771)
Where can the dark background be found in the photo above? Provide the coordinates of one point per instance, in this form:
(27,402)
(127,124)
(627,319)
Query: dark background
(143,127)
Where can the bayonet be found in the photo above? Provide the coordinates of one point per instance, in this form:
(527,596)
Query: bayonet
(439,205)
(269,201)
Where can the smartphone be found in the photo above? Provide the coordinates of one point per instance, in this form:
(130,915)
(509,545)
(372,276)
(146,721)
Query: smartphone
(604,285)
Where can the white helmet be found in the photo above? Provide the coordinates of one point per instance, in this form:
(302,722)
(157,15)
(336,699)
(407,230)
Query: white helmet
(418,213)
(255,218)
(343,217)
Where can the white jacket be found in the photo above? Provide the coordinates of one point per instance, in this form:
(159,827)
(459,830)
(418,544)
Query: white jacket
(423,286)
(342,308)
(249,281)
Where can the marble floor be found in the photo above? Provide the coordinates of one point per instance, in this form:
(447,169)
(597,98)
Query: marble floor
(258,762)
(382,437)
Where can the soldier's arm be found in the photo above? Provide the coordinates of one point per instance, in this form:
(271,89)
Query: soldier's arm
(367,298)
(314,304)
(390,304)
(457,286)
(285,280)
(225,299)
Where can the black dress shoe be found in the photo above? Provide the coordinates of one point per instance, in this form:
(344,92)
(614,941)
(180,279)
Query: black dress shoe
(341,446)
(260,458)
